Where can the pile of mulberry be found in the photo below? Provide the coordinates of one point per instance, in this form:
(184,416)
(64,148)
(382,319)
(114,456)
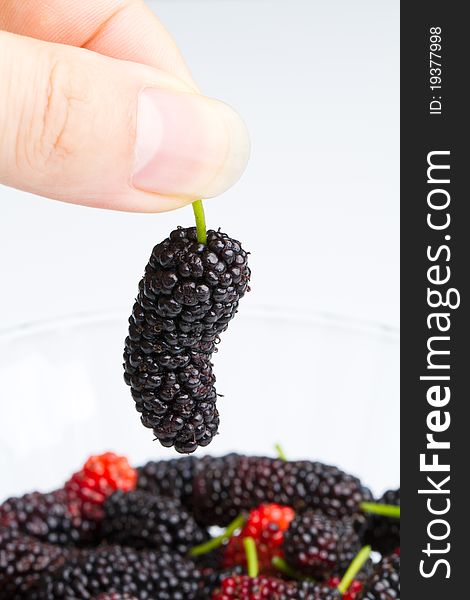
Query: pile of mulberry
(187,297)
(118,533)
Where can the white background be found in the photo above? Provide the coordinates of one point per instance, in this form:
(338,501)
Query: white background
(318,207)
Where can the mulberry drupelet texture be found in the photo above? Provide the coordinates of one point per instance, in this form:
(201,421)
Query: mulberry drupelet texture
(23,562)
(319,546)
(306,590)
(187,297)
(116,569)
(115,596)
(385,582)
(212,577)
(54,517)
(242,587)
(170,478)
(234,483)
(142,520)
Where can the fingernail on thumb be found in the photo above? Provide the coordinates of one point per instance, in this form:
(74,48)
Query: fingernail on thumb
(187,145)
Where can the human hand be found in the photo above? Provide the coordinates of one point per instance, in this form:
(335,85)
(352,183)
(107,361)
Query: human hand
(97,107)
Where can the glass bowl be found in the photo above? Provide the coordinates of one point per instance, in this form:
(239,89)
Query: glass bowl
(324,387)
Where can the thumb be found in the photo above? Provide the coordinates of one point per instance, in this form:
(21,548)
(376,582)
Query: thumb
(84,128)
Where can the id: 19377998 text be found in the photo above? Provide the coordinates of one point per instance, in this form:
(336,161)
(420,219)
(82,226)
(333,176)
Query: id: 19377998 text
(435,70)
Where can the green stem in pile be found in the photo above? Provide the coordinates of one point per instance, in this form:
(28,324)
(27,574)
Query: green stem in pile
(198,209)
(356,565)
(280,452)
(251,556)
(214,543)
(281,565)
(385,510)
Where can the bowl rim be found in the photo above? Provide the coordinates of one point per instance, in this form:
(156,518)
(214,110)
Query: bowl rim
(283,313)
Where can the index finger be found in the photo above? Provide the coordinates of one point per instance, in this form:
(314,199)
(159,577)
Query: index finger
(124,29)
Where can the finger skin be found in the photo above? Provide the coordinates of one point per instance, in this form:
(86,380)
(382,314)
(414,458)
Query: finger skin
(68,123)
(124,29)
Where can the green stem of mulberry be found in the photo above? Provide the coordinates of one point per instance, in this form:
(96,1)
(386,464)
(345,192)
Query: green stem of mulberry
(385,510)
(356,565)
(280,452)
(281,565)
(220,539)
(198,209)
(251,556)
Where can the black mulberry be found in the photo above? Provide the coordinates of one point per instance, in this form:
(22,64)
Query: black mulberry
(212,577)
(187,297)
(236,587)
(23,562)
(306,590)
(385,582)
(114,596)
(142,520)
(54,517)
(319,546)
(171,478)
(120,570)
(383,533)
(234,483)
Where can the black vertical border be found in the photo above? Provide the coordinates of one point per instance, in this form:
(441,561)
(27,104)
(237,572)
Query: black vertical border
(420,134)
